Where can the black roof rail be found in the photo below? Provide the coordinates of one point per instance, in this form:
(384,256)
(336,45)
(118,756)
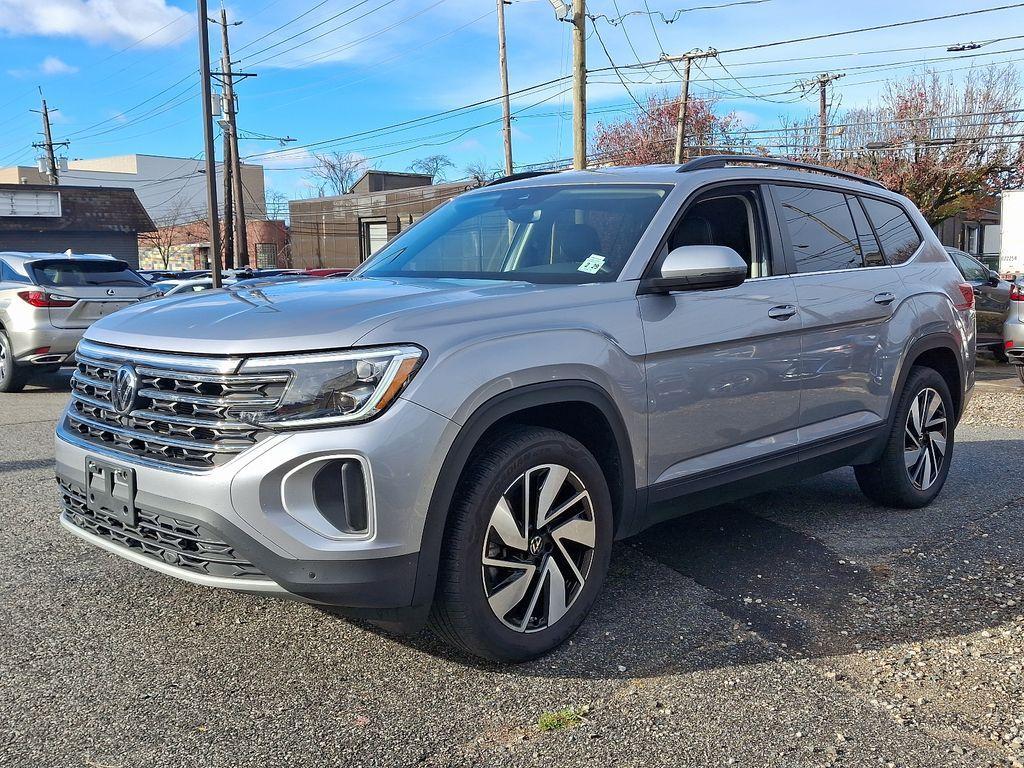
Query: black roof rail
(518,176)
(721,161)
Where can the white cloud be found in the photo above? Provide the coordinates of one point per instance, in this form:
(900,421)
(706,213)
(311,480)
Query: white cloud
(53,66)
(148,22)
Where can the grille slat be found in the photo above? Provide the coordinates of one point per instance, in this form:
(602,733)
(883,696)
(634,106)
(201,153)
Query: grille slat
(162,537)
(182,417)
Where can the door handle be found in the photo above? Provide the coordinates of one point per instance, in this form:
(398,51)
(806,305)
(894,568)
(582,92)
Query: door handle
(782,312)
(885,298)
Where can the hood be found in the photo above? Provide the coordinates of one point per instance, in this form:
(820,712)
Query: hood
(331,313)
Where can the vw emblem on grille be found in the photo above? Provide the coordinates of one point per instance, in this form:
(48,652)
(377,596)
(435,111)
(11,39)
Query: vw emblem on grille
(124,389)
(111,291)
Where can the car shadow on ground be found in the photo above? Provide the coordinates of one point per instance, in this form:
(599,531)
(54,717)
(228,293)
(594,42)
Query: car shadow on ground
(754,581)
(58,381)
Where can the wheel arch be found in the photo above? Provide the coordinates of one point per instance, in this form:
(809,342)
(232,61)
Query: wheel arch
(557,405)
(938,351)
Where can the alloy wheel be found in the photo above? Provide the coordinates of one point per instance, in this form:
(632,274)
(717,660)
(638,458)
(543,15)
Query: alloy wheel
(538,548)
(924,439)
(3,360)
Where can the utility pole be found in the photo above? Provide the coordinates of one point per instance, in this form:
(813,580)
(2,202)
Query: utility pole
(579,84)
(684,95)
(506,107)
(821,82)
(52,171)
(229,214)
(211,160)
(241,240)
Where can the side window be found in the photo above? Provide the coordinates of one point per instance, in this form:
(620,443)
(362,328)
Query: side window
(731,217)
(868,244)
(820,228)
(895,231)
(971,269)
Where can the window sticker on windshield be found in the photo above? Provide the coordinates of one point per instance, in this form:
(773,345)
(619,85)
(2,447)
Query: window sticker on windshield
(592,264)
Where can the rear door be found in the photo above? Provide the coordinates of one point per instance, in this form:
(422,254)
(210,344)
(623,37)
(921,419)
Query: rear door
(856,317)
(93,288)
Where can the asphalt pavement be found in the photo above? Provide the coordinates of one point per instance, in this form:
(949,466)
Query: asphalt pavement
(802,627)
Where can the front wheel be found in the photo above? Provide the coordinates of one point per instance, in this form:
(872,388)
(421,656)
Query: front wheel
(527,547)
(913,467)
(12,377)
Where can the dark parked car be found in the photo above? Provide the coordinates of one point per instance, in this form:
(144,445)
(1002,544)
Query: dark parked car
(991,300)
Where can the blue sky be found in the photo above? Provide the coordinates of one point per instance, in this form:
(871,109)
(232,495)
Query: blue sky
(121,71)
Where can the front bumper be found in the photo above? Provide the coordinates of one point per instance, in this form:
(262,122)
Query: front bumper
(233,527)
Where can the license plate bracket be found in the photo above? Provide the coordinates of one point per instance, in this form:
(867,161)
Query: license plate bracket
(110,489)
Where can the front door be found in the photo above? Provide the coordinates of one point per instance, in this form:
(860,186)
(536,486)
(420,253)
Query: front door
(991,297)
(722,365)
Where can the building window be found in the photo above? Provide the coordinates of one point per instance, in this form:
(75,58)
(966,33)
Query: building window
(266,255)
(972,239)
(374,236)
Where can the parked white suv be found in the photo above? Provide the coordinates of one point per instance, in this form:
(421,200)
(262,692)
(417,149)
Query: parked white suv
(47,301)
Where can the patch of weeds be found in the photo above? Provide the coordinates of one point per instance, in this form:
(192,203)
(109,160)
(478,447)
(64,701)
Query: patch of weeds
(559,720)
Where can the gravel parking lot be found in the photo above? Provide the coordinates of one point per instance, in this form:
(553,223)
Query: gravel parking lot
(801,627)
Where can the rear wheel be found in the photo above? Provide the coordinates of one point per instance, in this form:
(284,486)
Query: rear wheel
(527,547)
(1020,372)
(12,376)
(914,465)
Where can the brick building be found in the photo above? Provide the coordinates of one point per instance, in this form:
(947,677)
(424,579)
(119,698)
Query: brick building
(54,219)
(344,230)
(187,246)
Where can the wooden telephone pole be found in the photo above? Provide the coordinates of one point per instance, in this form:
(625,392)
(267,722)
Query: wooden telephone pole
(821,82)
(579,85)
(52,169)
(506,107)
(684,95)
(211,160)
(232,160)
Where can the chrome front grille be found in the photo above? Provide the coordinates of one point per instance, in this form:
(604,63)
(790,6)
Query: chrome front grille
(185,411)
(177,542)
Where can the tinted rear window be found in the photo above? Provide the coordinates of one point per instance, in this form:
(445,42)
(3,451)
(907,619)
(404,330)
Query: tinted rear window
(69,273)
(820,228)
(895,231)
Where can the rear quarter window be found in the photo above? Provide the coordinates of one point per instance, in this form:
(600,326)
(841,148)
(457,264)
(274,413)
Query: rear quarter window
(896,232)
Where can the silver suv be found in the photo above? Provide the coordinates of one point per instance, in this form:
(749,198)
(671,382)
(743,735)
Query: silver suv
(459,431)
(47,300)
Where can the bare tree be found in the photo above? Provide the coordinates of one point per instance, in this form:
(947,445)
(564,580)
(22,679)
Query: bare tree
(432,165)
(277,204)
(945,143)
(336,172)
(480,173)
(178,227)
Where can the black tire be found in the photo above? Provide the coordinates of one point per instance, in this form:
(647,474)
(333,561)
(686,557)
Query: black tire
(461,614)
(1000,355)
(12,376)
(888,481)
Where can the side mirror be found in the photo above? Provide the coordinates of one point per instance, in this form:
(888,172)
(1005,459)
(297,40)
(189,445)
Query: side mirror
(697,267)
(993,278)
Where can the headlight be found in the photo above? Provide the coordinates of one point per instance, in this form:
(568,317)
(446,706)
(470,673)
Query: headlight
(334,387)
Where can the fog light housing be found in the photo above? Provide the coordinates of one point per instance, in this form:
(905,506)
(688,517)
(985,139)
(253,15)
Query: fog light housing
(331,496)
(339,494)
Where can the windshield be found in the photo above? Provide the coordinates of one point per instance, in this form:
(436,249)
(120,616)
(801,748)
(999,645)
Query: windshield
(78,272)
(559,234)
